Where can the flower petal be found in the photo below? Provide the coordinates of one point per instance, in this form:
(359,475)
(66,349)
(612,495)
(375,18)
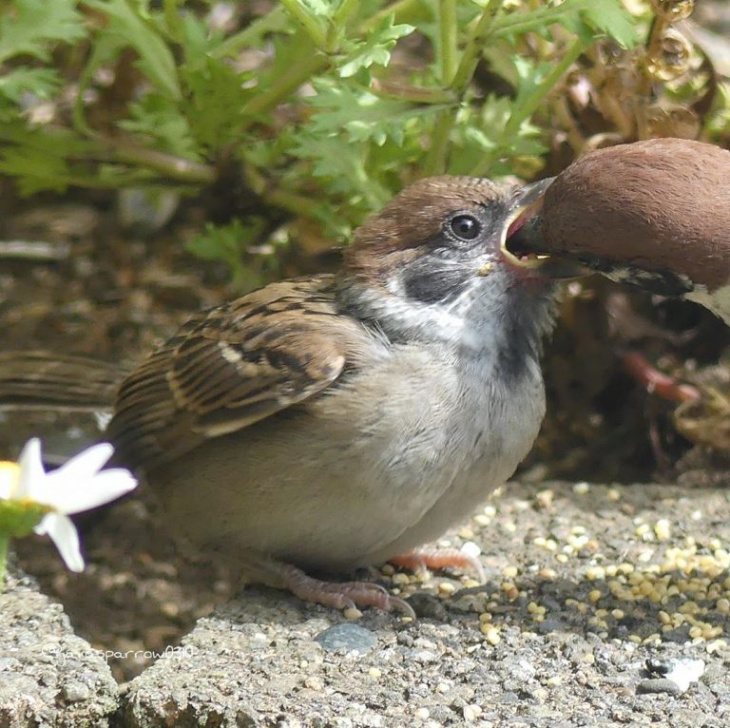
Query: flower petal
(63,533)
(32,478)
(87,463)
(92,491)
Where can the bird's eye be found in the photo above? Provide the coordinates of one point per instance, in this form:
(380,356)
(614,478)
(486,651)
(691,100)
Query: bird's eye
(465,227)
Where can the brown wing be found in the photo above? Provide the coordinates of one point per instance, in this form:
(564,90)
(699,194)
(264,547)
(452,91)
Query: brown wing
(230,367)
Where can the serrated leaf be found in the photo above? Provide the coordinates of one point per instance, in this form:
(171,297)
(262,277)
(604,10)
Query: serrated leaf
(229,244)
(155,57)
(364,116)
(529,78)
(216,99)
(342,164)
(319,8)
(31,27)
(613,19)
(41,82)
(155,116)
(255,35)
(198,40)
(375,49)
(37,158)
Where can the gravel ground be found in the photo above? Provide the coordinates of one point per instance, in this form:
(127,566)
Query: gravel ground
(593,594)
(48,675)
(603,606)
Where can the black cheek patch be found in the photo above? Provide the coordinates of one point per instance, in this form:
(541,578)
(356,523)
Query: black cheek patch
(427,281)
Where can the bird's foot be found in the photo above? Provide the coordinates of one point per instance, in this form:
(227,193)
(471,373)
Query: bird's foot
(345,595)
(435,559)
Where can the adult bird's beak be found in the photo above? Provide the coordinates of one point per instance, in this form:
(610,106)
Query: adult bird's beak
(522,242)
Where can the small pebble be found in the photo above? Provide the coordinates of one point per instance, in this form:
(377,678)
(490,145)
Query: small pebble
(472,712)
(314,683)
(76,691)
(349,636)
(472,549)
(658,685)
(686,671)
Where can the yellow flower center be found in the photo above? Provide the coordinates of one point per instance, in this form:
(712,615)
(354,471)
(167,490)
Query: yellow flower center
(9,474)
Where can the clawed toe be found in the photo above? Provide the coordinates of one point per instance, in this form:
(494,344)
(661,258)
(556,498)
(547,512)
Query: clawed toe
(346,595)
(436,559)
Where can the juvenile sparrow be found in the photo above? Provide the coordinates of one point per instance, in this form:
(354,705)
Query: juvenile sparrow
(331,422)
(655,213)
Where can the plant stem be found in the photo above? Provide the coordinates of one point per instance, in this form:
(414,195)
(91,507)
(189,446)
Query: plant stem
(308,22)
(395,8)
(173,19)
(448,40)
(4,542)
(414,94)
(435,162)
(343,13)
(470,56)
(232,45)
(528,107)
(182,170)
(283,86)
(519,23)
(525,110)
(459,76)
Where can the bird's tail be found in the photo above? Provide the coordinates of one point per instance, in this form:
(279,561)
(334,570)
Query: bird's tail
(58,382)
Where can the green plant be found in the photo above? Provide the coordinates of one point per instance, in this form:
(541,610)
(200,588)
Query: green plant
(322,108)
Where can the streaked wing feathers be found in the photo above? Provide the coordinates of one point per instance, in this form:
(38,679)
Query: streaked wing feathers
(230,367)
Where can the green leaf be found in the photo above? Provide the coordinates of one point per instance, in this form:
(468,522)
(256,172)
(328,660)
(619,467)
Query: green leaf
(319,8)
(41,82)
(255,35)
(37,157)
(229,244)
(32,27)
(610,17)
(216,99)
(529,78)
(364,116)
(375,50)
(155,116)
(197,41)
(342,164)
(155,57)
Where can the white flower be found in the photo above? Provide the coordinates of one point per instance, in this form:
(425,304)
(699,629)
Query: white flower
(77,486)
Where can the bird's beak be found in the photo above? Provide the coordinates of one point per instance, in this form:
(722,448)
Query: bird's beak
(521,243)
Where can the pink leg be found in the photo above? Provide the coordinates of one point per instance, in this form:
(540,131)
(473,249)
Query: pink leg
(343,595)
(430,557)
(654,381)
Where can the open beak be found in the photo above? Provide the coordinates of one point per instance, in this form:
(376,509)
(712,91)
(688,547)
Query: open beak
(521,240)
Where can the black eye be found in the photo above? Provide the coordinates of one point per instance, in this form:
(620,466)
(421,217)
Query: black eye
(465,227)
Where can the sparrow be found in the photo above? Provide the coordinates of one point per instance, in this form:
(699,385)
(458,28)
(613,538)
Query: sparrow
(654,213)
(331,422)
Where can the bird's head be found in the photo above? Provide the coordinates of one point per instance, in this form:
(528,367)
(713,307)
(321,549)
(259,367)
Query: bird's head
(436,263)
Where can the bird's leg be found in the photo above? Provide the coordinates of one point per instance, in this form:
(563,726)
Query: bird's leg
(343,595)
(339,595)
(637,366)
(430,557)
